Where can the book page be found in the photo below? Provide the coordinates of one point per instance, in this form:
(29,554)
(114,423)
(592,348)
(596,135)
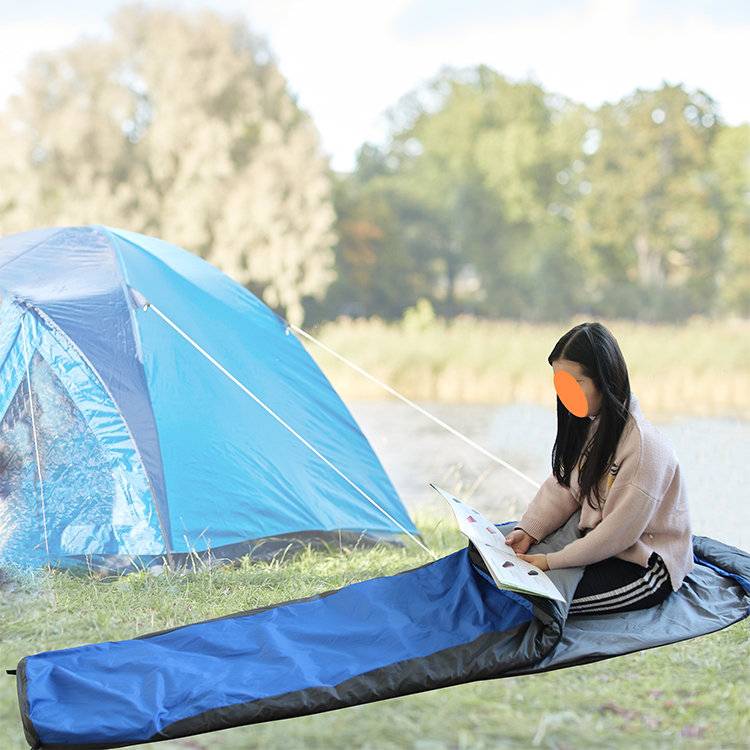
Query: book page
(507,570)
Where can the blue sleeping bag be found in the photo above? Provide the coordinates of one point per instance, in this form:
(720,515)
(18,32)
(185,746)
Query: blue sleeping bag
(435,626)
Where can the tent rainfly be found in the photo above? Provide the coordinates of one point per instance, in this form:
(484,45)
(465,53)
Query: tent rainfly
(151,408)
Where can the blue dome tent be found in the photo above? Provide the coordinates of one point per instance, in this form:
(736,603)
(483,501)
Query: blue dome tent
(149,406)
(151,409)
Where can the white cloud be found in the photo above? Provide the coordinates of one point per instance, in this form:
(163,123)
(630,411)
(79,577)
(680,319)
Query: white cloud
(20,40)
(349,60)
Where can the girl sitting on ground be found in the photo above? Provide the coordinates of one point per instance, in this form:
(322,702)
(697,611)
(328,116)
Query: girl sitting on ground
(621,472)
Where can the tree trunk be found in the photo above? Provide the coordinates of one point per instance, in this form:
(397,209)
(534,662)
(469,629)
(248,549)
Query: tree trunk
(650,273)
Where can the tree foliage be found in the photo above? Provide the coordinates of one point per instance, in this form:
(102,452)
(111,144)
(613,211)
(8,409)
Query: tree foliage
(729,168)
(180,126)
(506,201)
(648,224)
(491,197)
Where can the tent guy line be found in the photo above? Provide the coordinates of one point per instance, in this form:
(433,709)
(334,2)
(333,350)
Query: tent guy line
(149,306)
(417,407)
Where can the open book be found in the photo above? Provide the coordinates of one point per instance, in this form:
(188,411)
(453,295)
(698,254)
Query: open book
(508,571)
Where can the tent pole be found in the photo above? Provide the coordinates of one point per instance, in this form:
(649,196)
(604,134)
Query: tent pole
(168,550)
(33,431)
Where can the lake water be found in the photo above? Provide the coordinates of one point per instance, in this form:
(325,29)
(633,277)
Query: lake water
(714,455)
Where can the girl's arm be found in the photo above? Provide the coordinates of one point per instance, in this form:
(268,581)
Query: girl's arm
(647,490)
(539,560)
(552,506)
(630,511)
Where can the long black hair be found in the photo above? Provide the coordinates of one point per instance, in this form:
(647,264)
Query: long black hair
(596,350)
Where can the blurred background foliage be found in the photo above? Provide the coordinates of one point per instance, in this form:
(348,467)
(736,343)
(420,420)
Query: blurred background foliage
(492,198)
(505,201)
(181,127)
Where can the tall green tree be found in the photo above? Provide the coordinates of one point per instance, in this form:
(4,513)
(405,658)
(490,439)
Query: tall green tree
(383,253)
(469,176)
(730,164)
(644,203)
(638,209)
(376,274)
(180,126)
(499,198)
(471,162)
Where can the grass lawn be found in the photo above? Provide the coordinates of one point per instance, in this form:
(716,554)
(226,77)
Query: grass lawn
(687,695)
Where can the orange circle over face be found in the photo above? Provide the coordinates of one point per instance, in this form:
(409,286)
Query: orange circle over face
(571,394)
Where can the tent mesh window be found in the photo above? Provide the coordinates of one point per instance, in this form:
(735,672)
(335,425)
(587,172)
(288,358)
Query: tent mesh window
(73,498)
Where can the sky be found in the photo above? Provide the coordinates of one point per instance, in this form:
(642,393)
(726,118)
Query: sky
(348,61)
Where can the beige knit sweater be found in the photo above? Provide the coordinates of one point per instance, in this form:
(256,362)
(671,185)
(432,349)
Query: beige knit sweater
(645,506)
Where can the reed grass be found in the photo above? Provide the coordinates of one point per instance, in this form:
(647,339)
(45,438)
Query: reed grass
(700,368)
(693,694)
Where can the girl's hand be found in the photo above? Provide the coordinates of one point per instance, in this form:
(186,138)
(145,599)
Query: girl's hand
(539,561)
(519,541)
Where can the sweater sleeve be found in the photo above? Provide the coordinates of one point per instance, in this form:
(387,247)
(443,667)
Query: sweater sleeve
(551,507)
(647,468)
(630,511)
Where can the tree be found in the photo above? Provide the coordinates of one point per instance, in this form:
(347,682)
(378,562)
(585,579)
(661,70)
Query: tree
(469,174)
(381,265)
(644,205)
(181,126)
(730,163)
(376,275)
(511,202)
